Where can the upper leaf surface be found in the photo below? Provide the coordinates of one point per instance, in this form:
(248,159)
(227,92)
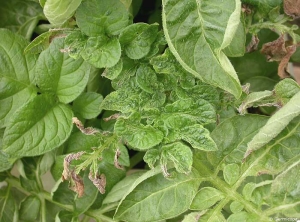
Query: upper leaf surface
(39,126)
(59,74)
(59,11)
(99,17)
(16,74)
(8,207)
(199,45)
(158,198)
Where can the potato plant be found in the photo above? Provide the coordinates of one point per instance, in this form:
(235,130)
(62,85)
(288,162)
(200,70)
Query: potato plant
(136,110)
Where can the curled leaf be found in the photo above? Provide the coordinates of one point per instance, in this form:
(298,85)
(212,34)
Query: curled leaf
(275,51)
(86,131)
(67,161)
(282,68)
(116,160)
(77,184)
(253,45)
(98,181)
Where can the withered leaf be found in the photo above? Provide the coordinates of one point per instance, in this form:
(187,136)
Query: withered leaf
(282,68)
(76,184)
(275,51)
(86,131)
(98,181)
(116,160)
(67,160)
(292,8)
(253,45)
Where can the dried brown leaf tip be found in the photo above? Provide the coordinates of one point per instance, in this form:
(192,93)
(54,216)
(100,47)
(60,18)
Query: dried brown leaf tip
(292,8)
(86,131)
(253,45)
(76,182)
(278,50)
(98,181)
(116,160)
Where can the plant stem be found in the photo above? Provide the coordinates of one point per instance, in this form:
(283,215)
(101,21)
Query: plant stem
(138,157)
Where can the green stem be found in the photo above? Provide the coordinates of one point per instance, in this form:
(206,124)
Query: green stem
(43,210)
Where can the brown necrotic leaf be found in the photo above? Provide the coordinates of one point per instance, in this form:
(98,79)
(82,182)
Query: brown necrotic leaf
(86,131)
(66,174)
(275,51)
(76,184)
(98,181)
(116,160)
(292,8)
(282,68)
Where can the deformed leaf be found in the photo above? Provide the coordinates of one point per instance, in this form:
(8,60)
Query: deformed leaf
(59,11)
(99,17)
(138,136)
(30,208)
(171,197)
(275,125)
(180,154)
(292,8)
(137,38)
(101,51)
(59,74)
(113,72)
(39,126)
(151,157)
(87,104)
(146,79)
(198,45)
(205,198)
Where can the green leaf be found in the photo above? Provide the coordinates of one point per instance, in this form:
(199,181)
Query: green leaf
(199,45)
(237,46)
(138,136)
(285,90)
(46,162)
(136,39)
(198,110)
(205,198)
(30,208)
(8,206)
(101,51)
(121,188)
(275,124)
(255,99)
(39,126)
(151,157)
(59,74)
(236,207)
(231,173)
(59,11)
(113,72)
(243,216)
(146,79)
(16,75)
(87,105)
(20,16)
(5,163)
(180,154)
(109,155)
(99,17)
(264,6)
(171,197)
(75,43)
(79,141)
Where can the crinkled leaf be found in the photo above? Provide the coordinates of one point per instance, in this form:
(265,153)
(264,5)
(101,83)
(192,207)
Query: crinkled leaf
(113,72)
(8,206)
(231,173)
(146,79)
(59,11)
(198,110)
(138,136)
(75,43)
(205,198)
(285,90)
(30,208)
(87,104)
(101,51)
(39,126)
(137,39)
(120,189)
(275,124)
(198,46)
(171,197)
(16,74)
(151,157)
(98,17)
(20,16)
(58,73)
(180,154)
(264,6)
(120,100)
